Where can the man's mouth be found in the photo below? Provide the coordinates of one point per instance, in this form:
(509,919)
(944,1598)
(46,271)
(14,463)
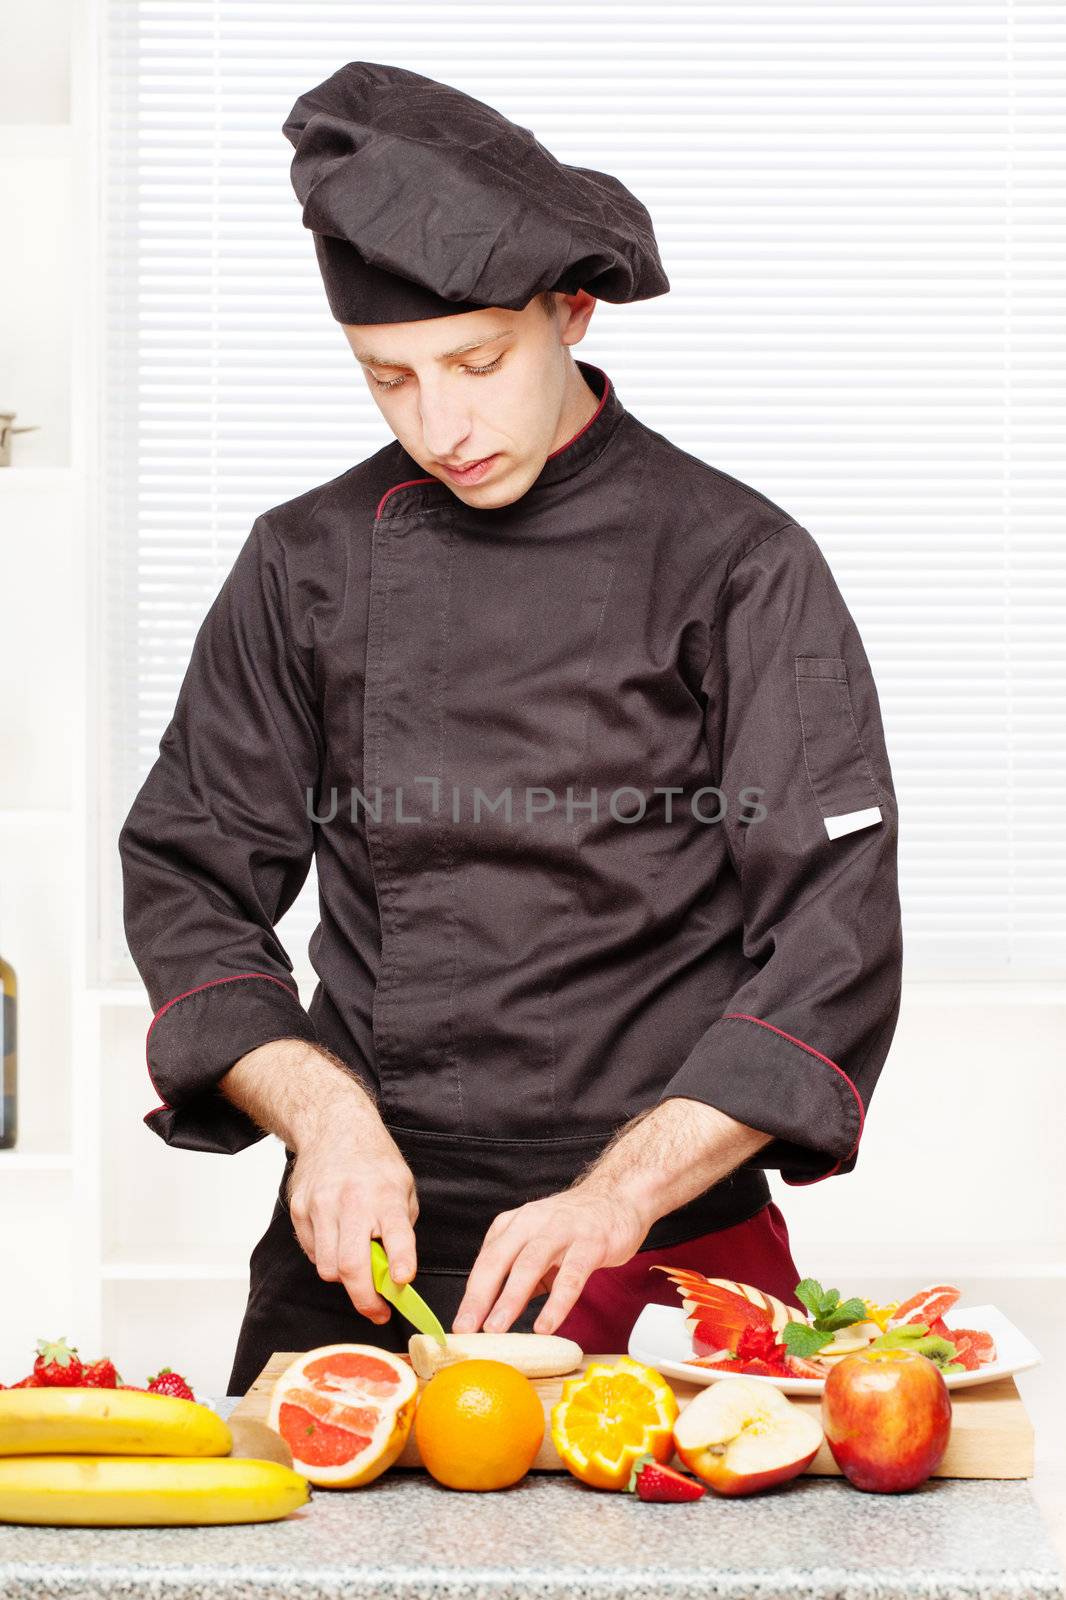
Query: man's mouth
(472,473)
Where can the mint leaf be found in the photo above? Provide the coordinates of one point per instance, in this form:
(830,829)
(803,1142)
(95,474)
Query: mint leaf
(830,1297)
(800,1339)
(843,1315)
(809,1292)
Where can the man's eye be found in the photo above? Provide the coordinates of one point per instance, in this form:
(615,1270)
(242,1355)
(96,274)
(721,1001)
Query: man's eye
(394,383)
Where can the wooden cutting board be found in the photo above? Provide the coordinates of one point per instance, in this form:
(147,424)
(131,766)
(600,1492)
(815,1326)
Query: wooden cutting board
(991,1434)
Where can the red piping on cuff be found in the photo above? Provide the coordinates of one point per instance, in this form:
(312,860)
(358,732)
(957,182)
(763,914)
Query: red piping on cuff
(235,977)
(405,485)
(742,1016)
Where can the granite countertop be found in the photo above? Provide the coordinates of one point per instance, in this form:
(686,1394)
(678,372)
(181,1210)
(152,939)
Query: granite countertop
(551,1538)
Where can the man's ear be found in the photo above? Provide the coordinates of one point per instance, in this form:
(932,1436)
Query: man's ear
(575,313)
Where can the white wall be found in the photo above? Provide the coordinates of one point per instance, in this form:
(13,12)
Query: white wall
(121,1243)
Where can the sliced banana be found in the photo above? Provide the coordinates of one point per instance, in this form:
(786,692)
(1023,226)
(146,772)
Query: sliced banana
(847,1341)
(538,1355)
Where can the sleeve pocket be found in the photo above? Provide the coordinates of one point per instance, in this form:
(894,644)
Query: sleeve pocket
(840,775)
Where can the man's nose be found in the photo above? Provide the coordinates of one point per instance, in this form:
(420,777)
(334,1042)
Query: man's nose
(445,426)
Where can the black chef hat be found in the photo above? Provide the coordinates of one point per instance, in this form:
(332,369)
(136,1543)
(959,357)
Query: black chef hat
(425,202)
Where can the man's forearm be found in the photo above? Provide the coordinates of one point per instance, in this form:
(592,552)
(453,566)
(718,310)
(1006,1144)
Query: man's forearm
(294,1089)
(670,1154)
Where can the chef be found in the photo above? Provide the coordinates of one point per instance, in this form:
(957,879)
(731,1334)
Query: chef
(586,749)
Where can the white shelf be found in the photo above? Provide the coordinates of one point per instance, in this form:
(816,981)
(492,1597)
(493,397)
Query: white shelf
(18,817)
(119,997)
(1043,989)
(31,1161)
(35,477)
(173,1272)
(32,141)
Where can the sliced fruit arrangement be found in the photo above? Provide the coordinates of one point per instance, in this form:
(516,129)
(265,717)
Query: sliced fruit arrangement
(609,1416)
(737,1328)
(345,1411)
(123,1491)
(719,1310)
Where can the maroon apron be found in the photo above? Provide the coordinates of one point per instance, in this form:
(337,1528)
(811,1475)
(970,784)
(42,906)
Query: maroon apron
(755,1252)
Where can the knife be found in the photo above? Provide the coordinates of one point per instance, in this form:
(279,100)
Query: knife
(407,1301)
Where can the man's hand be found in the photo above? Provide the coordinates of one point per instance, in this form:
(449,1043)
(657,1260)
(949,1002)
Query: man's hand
(349,1183)
(554,1243)
(349,1186)
(660,1159)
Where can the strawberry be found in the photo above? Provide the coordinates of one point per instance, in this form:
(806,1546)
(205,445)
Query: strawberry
(100,1374)
(759,1350)
(651,1480)
(758,1342)
(168,1382)
(800,1367)
(32,1382)
(758,1368)
(57,1365)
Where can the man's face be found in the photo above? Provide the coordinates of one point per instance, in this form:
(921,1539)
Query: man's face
(491,385)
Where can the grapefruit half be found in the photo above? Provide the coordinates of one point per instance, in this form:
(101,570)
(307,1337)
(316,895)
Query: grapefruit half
(345,1411)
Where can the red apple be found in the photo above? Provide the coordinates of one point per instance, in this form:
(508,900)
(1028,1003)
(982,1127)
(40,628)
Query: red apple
(741,1435)
(887,1418)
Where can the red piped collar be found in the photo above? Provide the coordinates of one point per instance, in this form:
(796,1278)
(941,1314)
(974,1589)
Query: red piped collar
(578,452)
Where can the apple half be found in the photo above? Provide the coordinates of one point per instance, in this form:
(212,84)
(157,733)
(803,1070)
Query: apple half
(740,1436)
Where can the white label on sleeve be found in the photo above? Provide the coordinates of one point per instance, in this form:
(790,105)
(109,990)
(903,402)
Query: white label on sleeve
(851,821)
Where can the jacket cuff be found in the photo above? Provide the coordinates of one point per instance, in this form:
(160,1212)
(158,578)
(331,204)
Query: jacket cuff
(196,1037)
(771,1080)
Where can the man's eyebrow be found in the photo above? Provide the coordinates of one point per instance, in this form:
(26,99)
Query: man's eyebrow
(447,355)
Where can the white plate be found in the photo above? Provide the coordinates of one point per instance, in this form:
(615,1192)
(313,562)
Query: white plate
(661,1340)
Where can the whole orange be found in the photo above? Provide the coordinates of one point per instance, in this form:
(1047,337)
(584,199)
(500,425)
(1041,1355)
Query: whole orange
(479,1425)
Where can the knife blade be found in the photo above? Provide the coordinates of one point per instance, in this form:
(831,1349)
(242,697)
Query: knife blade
(408,1302)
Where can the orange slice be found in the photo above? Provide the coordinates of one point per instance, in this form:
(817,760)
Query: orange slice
(345,1411)
(608,1416)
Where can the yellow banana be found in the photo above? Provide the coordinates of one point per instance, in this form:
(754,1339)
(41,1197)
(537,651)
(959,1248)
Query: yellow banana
(146,1491)
(120,1422)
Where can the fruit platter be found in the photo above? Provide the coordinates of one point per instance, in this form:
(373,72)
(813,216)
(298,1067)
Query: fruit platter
(723,1327)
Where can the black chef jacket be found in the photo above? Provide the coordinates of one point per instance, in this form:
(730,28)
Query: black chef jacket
(694,893)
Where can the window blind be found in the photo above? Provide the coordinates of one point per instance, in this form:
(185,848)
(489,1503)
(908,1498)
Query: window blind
(859,208)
